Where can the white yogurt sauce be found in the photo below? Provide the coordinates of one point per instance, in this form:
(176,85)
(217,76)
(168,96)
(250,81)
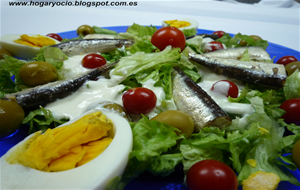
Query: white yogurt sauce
(92,92)
(208,79)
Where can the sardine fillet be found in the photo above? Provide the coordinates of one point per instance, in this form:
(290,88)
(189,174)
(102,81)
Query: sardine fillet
(194,101)
(84,46)
(255,53)
(264,74)
(41,95)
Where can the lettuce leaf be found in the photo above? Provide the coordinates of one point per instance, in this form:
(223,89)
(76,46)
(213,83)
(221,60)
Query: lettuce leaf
(189,32)
(9,67)
(152,143)
(99,30)
(292,86)
(41,119)
(142,61)
(232,42)
(52,55)
(195,43)
(141,31)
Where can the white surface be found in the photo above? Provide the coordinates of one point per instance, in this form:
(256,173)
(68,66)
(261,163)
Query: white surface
(95,174)
(266,19)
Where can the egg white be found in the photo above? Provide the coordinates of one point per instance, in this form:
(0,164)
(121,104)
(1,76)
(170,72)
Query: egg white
(95,174)
(20,51)
(194,24)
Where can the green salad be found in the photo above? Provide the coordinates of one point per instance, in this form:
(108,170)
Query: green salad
(157,147)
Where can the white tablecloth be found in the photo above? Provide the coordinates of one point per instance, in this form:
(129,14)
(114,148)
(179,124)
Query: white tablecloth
(270,21)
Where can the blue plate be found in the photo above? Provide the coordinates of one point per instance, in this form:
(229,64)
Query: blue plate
(147,181)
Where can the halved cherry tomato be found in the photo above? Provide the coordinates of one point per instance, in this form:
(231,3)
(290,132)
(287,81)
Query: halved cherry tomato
(219,33)
(213,46)
(286,60)
(55,36)
(292,108)
(166,36)
(226,88)
(211,174)
(93,60)
(139,100)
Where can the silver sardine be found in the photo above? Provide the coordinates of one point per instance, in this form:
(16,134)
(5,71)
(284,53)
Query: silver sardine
(255,53)
(194,101)
(84,46)
(41,95)
(264,74)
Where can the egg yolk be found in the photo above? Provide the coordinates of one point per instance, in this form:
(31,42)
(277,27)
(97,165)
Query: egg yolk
(177,23)
(35,41)
(66,147)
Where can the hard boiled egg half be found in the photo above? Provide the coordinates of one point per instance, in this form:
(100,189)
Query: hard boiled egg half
(94,174)
(25,46)
(182,24)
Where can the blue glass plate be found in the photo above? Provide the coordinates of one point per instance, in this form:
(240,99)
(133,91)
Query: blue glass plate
(147,181)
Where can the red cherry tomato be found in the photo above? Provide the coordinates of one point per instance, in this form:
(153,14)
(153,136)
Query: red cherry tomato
(139,100)
(211,174)
(292,108)
(55,36)
(166,36)
(93,60)
(226,88)
(219,33)
(213,46)
(286,60)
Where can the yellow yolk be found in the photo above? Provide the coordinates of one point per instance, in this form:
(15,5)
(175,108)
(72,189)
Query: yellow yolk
(177,23)
(66,147)
(261,180)
(252,162)
(35,41)
(263,130)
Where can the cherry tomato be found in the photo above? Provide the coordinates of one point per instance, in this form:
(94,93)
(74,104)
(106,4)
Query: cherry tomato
(211,174)
(139,100)
(93,60)
(286,60)
(55,36)
(166,36)
(213,46)
(226,88)
(292,108)
(219,33)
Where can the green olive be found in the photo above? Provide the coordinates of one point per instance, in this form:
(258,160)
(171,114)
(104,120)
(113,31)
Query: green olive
(85,30)
(296,154)
(11,117)
(177,119)
(37,73)
(255,38)
(4,52)
(291,67)
(116,108)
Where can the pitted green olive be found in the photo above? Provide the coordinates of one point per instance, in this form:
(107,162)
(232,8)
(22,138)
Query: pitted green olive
(85,30)
(116,108)
(291,67)
(296,154)
(177,119)
(255,38)
(11,117)
(4,52)
(37,73)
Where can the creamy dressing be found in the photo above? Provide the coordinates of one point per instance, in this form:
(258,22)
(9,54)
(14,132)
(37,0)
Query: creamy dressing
(73,67)
(93,92)
(208,79)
